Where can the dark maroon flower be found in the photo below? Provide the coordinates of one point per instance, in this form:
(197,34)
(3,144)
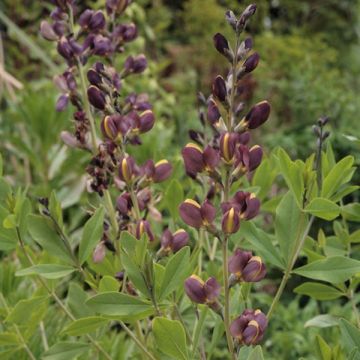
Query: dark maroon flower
(197,215)
(193,159)
(143,227)
(219,88)
(249,328)
(146,121)
(201,292)
(222,46)
(162,171)
(213,113)
(230,222)
(243,266)
(246,204)
(127,169)
(228,143)
(247,159)
(110,126)
(257,115)
(173,242)
(251,62)
(65,49)
(96,97)
(94,77)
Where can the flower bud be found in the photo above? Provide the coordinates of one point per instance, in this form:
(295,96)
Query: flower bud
(135,64)
(126,169)
(228,146)
(231,19)
(117,6)
(143,227)
(96,97)
(201,292)
(230,222)
(101,45)
(257,115)
(173,242)
(254,270)
(163,170)
(249,328)
(62,102)
(222,46)
(213,113)
(124,204)
(94,77)
(47,31)
(251,62)
(219,88)
(65,49)
(146,121)
(255,157)
(193,159)
(197,215)
(109,126)
(97,21)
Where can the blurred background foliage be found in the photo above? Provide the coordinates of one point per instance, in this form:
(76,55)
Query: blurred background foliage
(310,66)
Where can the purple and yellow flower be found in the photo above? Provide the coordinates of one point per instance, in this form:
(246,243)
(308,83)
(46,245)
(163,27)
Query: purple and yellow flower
(202,292)
(173,242)
(197,215)
(143,227)
(249,327)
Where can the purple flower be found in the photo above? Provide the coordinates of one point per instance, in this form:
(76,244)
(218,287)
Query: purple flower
(96,97)
(197,215)
(228,142)
(143,227)
(201,292)
(257,115)
(243,266)
(127,169)
(219,88)
(249,327)
(251,62)
(173,242)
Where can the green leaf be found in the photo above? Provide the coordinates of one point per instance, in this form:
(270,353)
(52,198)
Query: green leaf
(10,222)
(65,351)
(323,208)
(84,325)
(323,349)
(336,269)
(335,178)
(355,237)
(173,197)
(351,212)
(350,335)
(45,235)
(256,354)
(24,310)
(132,264)
(322,321)
(8,339)
(170,338)
(176,271)
(93,231)
(55,209)
(121,305)
(290,224)
(47,271)
(108,283)
(1,166)
(318,291)
(262,243)
(292,174)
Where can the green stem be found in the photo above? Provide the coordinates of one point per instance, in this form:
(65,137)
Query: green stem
(137,341)
(111,212)
(135,204)
(354,307)
(298,247)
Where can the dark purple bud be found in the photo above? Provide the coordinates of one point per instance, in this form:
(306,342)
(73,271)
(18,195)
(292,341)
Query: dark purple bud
(228,143)
(251,62)
(255,156)
(208,213)
(109,126)
(62,102)
(190,212)
(140,64)
(94,77)
(143,227)
(248,44)
(60,28)
(249,328)
(102,45)
(213,113)
(222,46)
(230,223)
(85,18)
(194,288)
(193,159)
(212,290)
(117,6)
(219,88)
(97,21)
(64,48)
(257,115)
(146,121)
(248,12)
(123,204)
(180,239)
(238,261)
(47,31)
(254,270)
(127,169)
(162,171)
(96,97)
(211,158)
